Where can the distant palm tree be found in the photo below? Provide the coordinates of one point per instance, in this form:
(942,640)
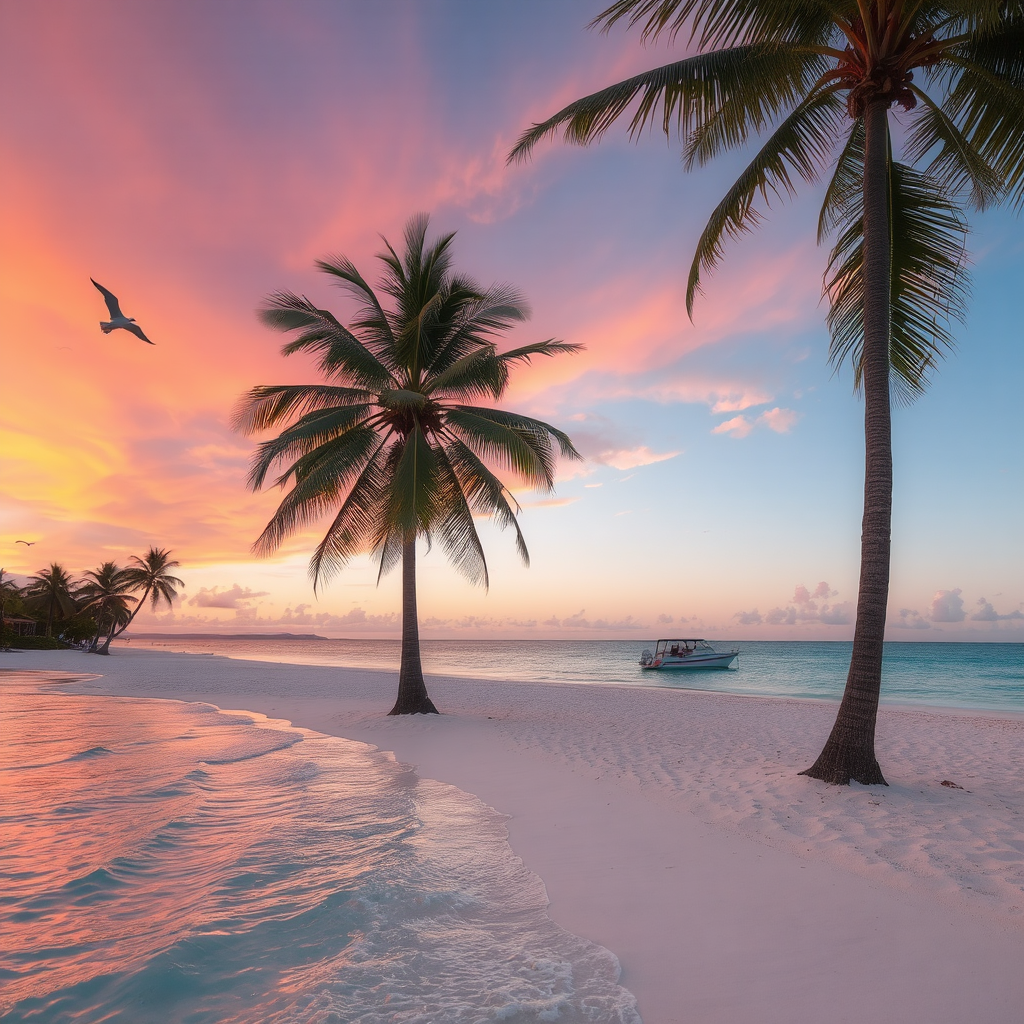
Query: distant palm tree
(821,76)
(150,574)
(106,592)
(53,591)
(8,590)
(388,443)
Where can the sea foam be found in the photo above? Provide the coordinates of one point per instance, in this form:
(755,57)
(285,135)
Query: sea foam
(171,862)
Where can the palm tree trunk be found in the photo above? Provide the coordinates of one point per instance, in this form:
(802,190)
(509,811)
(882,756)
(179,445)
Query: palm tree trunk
(105,649)
(135,611)
(412,691)
(849,753)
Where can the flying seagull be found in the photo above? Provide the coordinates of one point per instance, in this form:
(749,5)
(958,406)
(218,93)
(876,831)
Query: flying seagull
(117,318)
(27,543)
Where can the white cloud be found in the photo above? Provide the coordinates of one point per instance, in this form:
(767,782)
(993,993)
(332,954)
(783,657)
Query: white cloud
(911,618)
(804,607)
(838,614)
(578,621)
(947,606)
(986,613)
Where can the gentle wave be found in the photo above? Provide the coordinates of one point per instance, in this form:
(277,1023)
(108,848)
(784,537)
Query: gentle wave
(208,867)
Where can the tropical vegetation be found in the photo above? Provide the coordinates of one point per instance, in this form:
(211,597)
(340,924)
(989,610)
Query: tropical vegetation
(97,606)
(818,82)
(389,444)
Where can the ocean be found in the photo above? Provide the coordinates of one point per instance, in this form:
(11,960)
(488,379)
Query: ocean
(173,863)
(984,676)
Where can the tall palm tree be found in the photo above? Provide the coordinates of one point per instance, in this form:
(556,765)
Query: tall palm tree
(106,592)
(819,79)
(388,443)
(150,574)
(52,590)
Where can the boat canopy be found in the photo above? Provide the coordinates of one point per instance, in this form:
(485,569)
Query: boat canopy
(678,647)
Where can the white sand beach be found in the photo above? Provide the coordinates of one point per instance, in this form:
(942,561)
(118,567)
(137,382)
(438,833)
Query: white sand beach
(671,827)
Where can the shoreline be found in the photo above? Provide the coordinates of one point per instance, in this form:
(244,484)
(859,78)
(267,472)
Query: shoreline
(298,658)
(669,826)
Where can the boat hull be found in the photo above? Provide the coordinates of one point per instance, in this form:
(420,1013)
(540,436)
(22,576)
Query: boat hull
(693,661)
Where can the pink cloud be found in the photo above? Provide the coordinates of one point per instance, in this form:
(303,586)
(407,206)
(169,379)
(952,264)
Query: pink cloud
(738,426)
(779,420)
(630,458)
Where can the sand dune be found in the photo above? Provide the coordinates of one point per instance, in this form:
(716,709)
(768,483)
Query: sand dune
(671,827)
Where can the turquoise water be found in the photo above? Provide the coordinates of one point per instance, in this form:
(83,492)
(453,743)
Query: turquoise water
(166,862)
(985,676)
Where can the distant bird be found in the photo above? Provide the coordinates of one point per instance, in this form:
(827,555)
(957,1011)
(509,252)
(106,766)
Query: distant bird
(29,543)
(117,318)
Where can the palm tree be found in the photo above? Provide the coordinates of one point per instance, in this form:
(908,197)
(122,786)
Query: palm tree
(150,574)
(387,443)
(53,591)
(819,77)
(106,592)
(8,589)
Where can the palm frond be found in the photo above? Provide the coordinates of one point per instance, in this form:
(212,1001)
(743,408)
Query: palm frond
(484,491)
(758,87)
(413,491)
(267,405)
(957,166)
(802,143)
(845,189)
(518,443)
(455,529)
(986,100)
(474,323)
(929,282)
(688,93)
(551,347)
(321,479)
(724,22)
(354,526)
(340,351)
(304,438)
(371,318)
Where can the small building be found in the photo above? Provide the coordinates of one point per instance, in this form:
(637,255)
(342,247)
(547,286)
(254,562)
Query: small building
(19,626)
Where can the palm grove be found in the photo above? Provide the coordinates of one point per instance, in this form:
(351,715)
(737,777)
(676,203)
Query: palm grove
(95,607)
(817,81)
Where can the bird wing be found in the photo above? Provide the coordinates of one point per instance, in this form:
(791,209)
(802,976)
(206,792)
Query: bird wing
(111,300)
(27,543)
(137,331)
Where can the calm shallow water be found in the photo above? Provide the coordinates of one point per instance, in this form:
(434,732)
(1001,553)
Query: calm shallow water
(985,676)
(166,862)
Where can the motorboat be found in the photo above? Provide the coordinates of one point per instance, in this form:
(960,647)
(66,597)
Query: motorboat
(686,654)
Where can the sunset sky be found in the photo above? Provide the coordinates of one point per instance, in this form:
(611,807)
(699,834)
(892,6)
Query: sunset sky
(194,157)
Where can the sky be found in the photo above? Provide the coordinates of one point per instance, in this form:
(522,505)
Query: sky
(196,157)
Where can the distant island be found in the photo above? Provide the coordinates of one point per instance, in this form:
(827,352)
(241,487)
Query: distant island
(225,636)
